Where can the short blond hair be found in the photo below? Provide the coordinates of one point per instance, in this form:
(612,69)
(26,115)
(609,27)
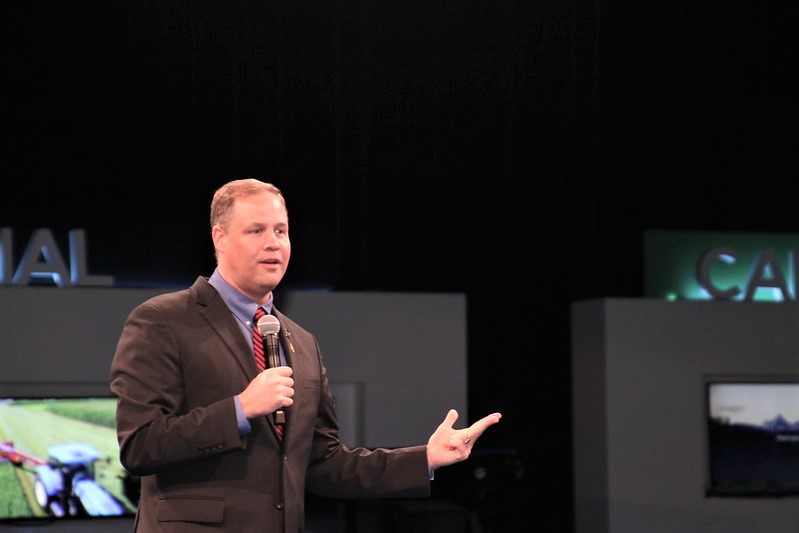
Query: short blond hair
(226,195)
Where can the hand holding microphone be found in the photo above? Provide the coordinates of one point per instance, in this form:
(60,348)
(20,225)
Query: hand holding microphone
(273,389)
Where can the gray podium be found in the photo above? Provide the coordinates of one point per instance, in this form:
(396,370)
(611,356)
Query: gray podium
(639,367)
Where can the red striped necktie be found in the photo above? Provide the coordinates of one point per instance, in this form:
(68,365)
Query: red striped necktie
(258,341)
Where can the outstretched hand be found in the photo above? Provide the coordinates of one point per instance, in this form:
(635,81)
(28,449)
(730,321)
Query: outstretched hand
(448,445)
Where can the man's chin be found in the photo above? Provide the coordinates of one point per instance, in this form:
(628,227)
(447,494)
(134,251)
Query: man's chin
(270,278)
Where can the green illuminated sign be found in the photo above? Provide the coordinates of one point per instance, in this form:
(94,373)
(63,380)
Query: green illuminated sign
(687,265)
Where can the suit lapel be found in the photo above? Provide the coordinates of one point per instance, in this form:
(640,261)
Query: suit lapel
(214,310)
(289,350)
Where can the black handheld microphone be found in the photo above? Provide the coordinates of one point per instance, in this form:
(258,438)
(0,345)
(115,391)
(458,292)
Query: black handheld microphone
(269,326)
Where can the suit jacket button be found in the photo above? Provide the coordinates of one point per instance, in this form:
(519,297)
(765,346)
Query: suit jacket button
(280,505)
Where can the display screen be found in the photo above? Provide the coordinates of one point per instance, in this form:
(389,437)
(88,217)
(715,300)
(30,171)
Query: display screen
(753,438)
(59,459)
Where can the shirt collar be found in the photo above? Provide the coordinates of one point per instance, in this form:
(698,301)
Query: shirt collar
(241,306)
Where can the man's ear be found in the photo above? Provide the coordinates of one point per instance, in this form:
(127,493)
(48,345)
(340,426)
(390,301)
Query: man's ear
(218,237)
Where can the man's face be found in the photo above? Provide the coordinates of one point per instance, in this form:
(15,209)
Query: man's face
(254,252)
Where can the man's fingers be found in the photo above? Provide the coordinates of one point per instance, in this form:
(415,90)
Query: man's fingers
(477,429)
(450,419)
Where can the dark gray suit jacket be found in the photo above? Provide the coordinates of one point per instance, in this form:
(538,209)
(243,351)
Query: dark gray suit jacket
(180,360)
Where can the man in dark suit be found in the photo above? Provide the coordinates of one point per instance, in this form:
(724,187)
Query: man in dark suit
(195,414)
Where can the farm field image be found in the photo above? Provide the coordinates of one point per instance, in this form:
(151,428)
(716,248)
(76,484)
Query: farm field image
(59,457)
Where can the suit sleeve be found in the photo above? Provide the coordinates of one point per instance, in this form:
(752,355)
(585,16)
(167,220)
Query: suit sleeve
(151,373)
(338,471)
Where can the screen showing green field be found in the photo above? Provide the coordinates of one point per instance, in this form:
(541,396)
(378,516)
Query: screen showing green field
(59,458)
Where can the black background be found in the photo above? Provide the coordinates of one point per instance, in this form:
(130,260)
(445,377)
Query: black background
(513,151)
